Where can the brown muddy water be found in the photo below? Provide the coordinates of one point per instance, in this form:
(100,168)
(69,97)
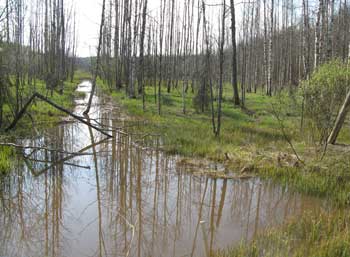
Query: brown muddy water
(110,197)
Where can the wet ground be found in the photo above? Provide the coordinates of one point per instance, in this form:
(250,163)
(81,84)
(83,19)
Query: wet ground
(111,197)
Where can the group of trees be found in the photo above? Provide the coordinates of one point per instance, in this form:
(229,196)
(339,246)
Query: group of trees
(197,45)
(200,45)
(37,42)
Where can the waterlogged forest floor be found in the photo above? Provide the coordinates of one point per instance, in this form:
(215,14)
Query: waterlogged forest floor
(253,143)
(41,115)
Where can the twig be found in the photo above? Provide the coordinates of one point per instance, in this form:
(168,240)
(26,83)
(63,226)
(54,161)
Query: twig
(36,174)
(64,163)
(286,137)
(38,148)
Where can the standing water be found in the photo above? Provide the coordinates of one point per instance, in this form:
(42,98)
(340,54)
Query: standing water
(110,197)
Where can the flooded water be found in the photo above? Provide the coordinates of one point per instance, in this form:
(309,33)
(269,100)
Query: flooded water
(110,197)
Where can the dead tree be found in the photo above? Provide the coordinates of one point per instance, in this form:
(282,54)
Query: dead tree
(344,110)
(318,35)
(116,46)
(270,53)
(234,54)
(45,99)
(221,69)
(161,36)
(340,120)
(306,38)
(141,58)
(97,58)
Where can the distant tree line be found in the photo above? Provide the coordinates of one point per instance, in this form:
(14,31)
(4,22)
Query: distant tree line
(200,45)
(196,46)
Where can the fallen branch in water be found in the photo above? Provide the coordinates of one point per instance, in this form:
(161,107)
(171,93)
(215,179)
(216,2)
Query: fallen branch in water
(65,163)
(45,99)
(36,148)
(63,160)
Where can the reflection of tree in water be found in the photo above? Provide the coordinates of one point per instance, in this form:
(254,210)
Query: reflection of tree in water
(33,208)
(163,206)
(143,203)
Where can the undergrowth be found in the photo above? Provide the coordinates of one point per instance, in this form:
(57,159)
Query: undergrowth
(252,137)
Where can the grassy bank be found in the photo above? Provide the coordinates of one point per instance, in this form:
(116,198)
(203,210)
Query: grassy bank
(252,141)
(41,114)
(190,134)
(40,111)
(313,235)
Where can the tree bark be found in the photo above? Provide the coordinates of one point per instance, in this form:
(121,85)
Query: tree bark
(221,71)
(340,120)
(141,59)
(43,98)
(318,34)
(234,55)
(270,54)
(341,115)
(97,59)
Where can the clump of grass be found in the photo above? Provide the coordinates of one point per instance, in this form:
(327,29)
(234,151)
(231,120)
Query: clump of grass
(314,235)
(191,134)
(6,155)
(328,179)
(250,136)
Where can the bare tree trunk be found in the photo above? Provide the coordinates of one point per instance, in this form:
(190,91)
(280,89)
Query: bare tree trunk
(2,86)
(306,38)
(74,42)
(7,21)
(318,34)
(344,110)
(63,49)
(141,59)
(234,55)
(340,120)
(330,31)
(266,61)
(97,59)
(270,54)
(43,98)
(221,72)
(161,35)
(171,45)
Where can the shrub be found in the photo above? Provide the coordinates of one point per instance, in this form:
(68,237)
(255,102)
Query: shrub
(324,93)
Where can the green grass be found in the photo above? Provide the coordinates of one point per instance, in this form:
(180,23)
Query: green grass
(191,134)
(6,155)
(313,235)
(42,114)
(249,137)
(253,138)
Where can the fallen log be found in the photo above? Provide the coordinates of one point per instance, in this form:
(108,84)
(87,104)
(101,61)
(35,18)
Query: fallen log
(45,99)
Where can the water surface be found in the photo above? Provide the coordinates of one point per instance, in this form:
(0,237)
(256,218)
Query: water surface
(112,197)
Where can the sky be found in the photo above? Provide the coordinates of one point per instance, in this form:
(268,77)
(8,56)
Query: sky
(89,17)
(88,14)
